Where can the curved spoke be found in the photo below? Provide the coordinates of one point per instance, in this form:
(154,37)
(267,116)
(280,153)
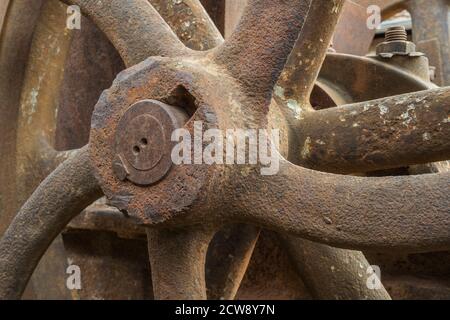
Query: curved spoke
(134,27)
(302,68)
(257,51)
(190,21)
(357,81)
(177,258)
(385,133)
(403,213)
(225,271)
(228,258)
(60,197)
(332,273)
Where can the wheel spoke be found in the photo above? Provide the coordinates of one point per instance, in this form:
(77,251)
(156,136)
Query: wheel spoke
(22,17)
(225,271)
(228,258)
(134,27)
(332,273)
(231,250)
(190,21)
(390,213)
(177,260)
(385,133)
(302,68)
(257,51)
(60,197)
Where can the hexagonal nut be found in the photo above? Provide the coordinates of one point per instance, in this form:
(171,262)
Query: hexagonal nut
(392,48)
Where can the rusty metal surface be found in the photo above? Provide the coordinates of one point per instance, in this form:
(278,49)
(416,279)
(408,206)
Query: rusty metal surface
(294,91)
(113,267)
(63,194)
(414,276)
(355,85)
(404,277)
(190,194)
(143,150)
(356,137)
(388,7)
(39,100)
(430,29)
(32,125)
(127,194)
(195,27)
(228,257)
(185,250)
(404,283)
(271,273)
(3,9)
(352,35)
(15,45)
(221,267)
(198,78)
(431,34)
(90,67)
(216,11)
(333,274)
(299,76)
(143,26)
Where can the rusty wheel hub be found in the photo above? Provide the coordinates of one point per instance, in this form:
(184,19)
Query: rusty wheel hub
(231,87)
(131,135)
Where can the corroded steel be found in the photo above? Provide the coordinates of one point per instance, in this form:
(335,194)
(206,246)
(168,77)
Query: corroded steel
(16,33)
(143,146)
(193,201)
(396,43)
(167,207)
(187,249)
(198,77)
(289,88)
(298,78)
(431,34)
(193,25)
(355,84)
(331,273)
(430,29)
(62,195)
(357,134)
(29,126)
(352,35)
(143,26)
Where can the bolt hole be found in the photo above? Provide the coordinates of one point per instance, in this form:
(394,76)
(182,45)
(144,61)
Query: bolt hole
(136,150)
(144,141)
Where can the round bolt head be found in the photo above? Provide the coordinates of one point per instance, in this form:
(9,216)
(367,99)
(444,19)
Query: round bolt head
(146,142)
(143,142)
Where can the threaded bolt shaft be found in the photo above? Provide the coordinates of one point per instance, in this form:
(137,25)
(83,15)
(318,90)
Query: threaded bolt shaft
(396,34)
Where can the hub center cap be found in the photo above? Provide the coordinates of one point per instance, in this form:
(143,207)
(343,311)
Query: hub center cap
(143,147)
